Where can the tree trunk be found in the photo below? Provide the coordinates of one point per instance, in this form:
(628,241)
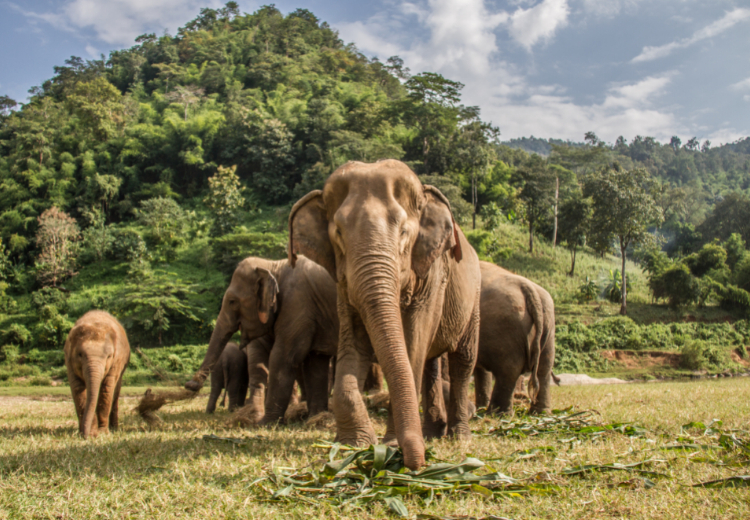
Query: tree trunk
(624,290)
(557,193)
(474,200)
(573,261)
(531,235)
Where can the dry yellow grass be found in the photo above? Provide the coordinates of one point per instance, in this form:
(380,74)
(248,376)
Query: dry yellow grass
(170,471)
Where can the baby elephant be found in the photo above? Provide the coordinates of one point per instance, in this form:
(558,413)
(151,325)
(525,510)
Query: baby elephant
(96,355)
(229,372)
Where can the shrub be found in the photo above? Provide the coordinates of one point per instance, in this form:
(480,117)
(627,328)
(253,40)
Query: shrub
(127,245)
(697,355)
(481,241)
(16,333)
(711,256)
(49,296)
(587,291)
(677,285)
(9,354)
(735,248)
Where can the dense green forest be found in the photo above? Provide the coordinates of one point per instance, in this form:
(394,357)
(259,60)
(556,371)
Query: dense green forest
(135,183)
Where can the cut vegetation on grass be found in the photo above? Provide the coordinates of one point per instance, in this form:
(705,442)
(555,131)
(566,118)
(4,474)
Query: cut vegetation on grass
(649,451)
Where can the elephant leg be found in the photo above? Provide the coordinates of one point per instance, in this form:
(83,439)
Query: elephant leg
(301,381)
(78,390)
(316,382)
(104,404)
(435,419)
(217,385)
(114,413)
(374,381)
(461,364)
(282,373)
(482,386)
(233,391)
(258,353)
(353,360)
(542,403)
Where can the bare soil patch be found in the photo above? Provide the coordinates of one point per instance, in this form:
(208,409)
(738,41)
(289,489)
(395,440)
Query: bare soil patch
(642,359)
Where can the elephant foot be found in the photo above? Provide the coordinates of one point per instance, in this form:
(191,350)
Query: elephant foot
(460,431)
(193,386)
(362,438)
(539,410)
(434,430)
(271,421)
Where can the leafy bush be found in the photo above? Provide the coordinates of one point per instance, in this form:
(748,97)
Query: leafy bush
(677,285)
(481,241)
(613,290)
(711,256)
(49,296)
(9,354)
(698,355)
(230,249)
(51,329)
(587,291)
(16,333)
(127,245)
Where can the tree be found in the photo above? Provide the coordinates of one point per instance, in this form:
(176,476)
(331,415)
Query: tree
(675,143)
(56,239)
(224,199)
(99,105)
(536,183)
(473,155)
(186,96)
(623,207)
(575,216)
(6,106)
(730,215)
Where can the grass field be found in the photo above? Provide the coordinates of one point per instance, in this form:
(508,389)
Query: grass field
(46,471)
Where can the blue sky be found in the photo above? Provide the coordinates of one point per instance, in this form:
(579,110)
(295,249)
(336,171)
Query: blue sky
(549,68)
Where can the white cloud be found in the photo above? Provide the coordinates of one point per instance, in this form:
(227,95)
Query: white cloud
(741,85)
(119,22)
(92,51)
(529,26)
(607,8)
(729,20)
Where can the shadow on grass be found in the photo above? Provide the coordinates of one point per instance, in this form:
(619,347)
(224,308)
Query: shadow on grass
(138,451)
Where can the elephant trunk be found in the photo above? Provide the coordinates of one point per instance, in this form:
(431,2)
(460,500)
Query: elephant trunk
(377,288)
(93,384)
(224,329)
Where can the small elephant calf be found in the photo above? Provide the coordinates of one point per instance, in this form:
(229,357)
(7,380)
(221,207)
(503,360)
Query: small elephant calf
(230,372)
(96,355)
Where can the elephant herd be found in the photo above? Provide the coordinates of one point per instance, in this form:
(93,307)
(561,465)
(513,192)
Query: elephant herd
(377,272)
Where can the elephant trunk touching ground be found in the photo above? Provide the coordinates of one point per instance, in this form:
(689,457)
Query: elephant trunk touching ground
(382,320)
(93,377)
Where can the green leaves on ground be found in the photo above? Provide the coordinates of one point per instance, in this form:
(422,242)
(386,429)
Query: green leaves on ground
(378,474)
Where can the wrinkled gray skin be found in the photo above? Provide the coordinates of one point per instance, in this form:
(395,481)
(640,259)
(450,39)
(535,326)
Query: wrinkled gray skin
(295,309)
(96,355)
(516,336)
(408,290)
(230,373)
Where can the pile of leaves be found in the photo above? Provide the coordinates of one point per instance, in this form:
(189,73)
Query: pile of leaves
(378,474)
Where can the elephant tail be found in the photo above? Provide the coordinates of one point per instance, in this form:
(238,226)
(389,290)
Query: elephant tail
(535,308)
(225,368)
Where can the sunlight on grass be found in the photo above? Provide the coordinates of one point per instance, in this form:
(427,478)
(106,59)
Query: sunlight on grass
(171,471)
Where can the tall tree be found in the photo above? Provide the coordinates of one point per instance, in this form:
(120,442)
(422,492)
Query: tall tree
(575,217)
(536,188)
(56,239)
(624,208)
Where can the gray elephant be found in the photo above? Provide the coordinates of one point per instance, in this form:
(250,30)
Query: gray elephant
(96,355)
(295,309)
(231,373)
(408,287)
(516,335)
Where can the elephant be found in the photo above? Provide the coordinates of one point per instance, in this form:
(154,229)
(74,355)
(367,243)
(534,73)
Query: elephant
(408,287)
(516,335)
(231,373)
(292,314)
(96,355)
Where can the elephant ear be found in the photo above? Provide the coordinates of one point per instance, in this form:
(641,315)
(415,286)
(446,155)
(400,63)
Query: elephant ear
(267,288)
(438,233)
(308,232)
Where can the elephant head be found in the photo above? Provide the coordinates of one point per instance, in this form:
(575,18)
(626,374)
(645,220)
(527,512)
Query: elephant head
(90,352)
(378,231)
(250,303)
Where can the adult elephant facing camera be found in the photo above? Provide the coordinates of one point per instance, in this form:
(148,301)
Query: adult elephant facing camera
(408,287)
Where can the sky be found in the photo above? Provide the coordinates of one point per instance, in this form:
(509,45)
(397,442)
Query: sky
(547,68)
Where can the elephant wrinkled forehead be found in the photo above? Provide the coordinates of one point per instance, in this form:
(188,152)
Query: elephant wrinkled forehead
(384,180)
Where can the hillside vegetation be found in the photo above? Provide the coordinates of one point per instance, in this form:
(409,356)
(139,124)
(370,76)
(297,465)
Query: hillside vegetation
(136,183)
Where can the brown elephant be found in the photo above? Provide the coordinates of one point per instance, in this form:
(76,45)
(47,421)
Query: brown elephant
(296,310)
(96,355)
(231,373)
(516,335)
(408,287)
